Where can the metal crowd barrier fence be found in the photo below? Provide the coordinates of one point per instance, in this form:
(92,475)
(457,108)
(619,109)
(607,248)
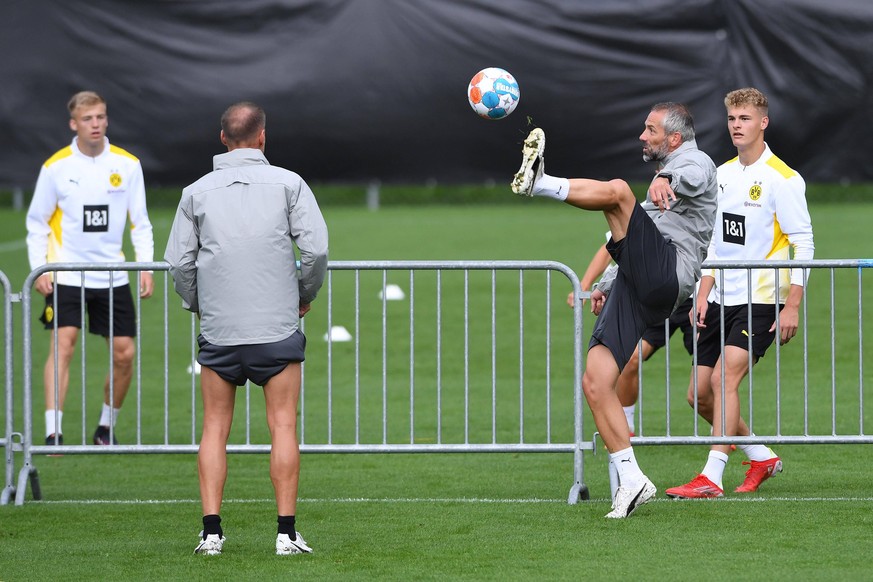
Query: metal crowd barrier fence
(7,442)
(811,393)
(825,375)
(444,357)
(459,357)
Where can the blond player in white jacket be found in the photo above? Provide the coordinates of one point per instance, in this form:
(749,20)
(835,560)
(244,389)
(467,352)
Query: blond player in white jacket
(84,196)
(762,213)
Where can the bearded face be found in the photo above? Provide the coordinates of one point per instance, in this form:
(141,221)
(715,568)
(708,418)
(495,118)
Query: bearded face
(655,152)
(654,138)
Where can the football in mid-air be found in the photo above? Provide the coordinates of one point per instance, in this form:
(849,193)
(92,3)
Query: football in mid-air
(493,93)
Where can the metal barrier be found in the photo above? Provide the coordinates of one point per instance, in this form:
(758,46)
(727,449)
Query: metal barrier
(805,423)
(29,471)
(411,380)
(7,442)
(413,376)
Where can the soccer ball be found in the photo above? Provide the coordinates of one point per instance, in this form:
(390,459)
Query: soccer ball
(493,93)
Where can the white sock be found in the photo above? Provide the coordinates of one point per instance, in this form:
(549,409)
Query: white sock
(109,415)
(629,414)
(552,187)
(629,473)
(758,452)
(50,427)
(714,469)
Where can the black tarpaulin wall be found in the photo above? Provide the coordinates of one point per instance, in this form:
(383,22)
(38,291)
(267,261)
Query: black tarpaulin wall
(375,89)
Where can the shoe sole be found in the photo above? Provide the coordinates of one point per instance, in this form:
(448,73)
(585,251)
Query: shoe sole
(294,552)
(680,496)
(533,149)
(202,552)
(100,442)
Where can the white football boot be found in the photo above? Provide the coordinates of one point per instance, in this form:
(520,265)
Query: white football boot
(627,499)
(285,546)
(211,546)
(533,163)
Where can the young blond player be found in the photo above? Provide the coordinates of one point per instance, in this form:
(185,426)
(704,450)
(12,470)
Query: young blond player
(762,213)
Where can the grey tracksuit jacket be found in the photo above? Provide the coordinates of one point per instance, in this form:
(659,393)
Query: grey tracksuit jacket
(231,249)
(689,222)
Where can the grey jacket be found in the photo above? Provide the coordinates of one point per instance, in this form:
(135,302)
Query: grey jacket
(691,218)
(231,249)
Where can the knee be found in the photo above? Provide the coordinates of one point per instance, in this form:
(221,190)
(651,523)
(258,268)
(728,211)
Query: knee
(593,390)
(691,398)
(66,347)
(123,353)
(281,428)
(621,191)
(619,186)
(729,389)
(702,399)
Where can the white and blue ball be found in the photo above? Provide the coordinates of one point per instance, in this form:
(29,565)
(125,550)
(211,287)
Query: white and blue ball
(493,93)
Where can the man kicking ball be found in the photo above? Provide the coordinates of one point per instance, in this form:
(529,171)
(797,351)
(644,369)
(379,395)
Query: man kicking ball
(658,246)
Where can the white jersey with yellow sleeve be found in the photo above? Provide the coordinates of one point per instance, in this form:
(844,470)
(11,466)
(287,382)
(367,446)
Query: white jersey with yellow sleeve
(762,213)
(79,211)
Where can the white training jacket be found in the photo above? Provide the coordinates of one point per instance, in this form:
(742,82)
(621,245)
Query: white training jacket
(231,249)
(79,210)
(761,213)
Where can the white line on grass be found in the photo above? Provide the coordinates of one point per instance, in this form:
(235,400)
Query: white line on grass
(14,245)
(447,500)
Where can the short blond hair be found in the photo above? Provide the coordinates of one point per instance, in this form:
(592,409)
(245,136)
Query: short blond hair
(748,96)
(84,99)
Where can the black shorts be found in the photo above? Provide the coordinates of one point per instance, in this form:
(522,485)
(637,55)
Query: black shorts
(96,305)
(656,335)
(736,319)
(255,362)
(645,288)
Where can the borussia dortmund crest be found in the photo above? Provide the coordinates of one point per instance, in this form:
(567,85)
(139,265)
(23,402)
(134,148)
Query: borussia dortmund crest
(755,191)
(115,179)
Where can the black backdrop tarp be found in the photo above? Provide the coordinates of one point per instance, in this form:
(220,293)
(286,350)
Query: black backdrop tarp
(357,90)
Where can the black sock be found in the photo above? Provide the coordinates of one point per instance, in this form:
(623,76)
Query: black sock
(212,525)
(286,526)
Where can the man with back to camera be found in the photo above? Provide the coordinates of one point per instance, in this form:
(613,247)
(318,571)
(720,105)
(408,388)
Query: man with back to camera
(658,248)
(80,207)
(231,255)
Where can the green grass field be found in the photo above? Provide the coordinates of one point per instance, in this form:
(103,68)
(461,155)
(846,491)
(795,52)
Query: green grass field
(460,516)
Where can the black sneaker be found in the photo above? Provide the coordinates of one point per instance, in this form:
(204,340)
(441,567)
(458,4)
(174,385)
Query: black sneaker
(101,436)
(50,440)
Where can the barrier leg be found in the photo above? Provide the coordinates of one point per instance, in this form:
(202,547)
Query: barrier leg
(579,490)
(8,493)
(9,487)
(28,471)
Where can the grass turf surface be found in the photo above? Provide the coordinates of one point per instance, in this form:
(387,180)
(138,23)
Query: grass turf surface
(500,516)
(428,517)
